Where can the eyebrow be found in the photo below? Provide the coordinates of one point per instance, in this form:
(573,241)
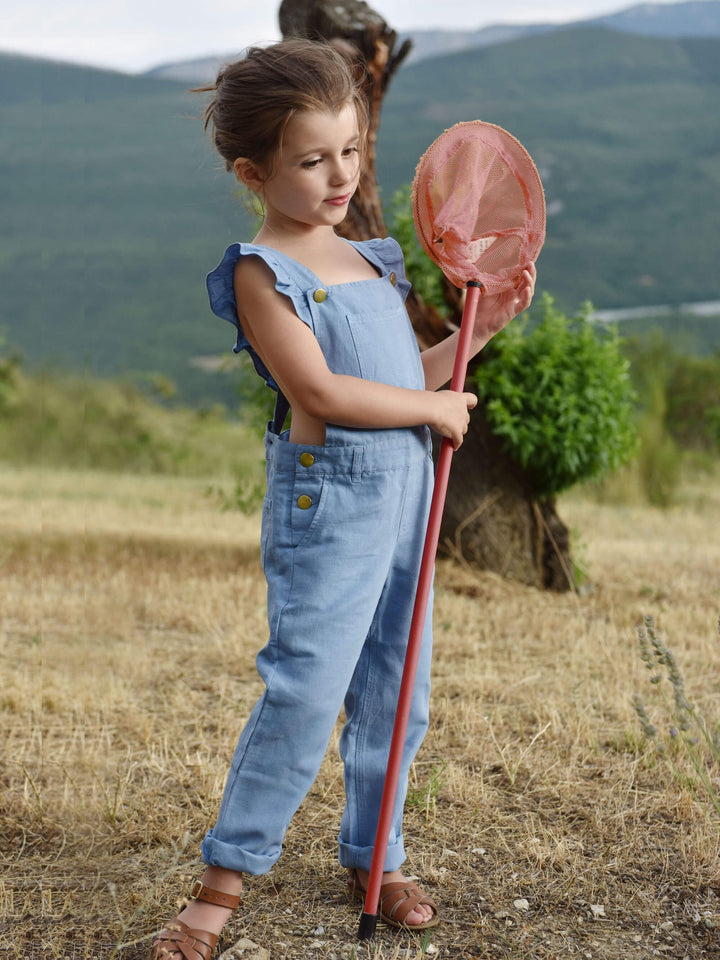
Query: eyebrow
(306,153)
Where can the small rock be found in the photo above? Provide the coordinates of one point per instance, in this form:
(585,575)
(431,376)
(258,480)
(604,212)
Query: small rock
(318,931)
(597,909)
(521,904)
(245,950)
(667,926)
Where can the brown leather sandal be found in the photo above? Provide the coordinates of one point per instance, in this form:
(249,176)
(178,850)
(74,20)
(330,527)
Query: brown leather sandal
(178,937)
(397,900)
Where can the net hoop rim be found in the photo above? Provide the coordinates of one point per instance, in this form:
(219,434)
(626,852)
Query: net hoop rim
(512,152)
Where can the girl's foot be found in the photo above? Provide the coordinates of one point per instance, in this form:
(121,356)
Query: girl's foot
(202,915)
(421,915)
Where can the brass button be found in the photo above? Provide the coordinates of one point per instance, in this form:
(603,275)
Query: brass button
(320,295)
(304,502)
(307,459)
(393,278)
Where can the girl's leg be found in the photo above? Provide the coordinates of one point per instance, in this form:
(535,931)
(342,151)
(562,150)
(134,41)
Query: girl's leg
(324,587)
(370,708)
(371,704)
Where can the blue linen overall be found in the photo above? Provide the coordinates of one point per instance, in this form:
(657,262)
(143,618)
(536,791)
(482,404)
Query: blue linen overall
(342,536)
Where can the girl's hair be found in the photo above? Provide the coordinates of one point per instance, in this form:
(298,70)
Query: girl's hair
(255,97)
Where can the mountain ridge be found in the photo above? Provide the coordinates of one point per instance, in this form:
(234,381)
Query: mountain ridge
(684,19)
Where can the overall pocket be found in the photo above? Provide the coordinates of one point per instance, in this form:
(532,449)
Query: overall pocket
(307,507)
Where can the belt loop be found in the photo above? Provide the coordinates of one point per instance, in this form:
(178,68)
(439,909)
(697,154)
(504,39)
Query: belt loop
(357,464)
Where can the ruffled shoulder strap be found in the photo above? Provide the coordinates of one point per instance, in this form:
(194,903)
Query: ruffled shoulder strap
(386,253)
(221,291)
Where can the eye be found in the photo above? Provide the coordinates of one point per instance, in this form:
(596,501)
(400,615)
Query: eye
(311,164)
(348,151)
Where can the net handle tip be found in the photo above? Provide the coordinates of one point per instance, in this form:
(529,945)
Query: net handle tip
(367,926)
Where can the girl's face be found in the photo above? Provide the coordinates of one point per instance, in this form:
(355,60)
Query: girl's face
(316,172)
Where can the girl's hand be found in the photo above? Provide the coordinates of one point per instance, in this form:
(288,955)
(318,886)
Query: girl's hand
(497,310)
(452,414)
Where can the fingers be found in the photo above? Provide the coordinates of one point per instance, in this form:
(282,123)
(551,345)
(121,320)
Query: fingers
(453,415)
(470,400)
(525,288)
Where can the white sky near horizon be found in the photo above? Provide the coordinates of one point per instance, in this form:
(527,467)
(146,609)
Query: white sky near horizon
(136,35)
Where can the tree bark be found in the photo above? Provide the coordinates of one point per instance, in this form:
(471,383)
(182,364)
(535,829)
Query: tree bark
(491,518)
(493,521)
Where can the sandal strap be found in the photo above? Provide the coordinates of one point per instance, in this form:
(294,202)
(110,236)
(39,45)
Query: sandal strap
(399,899)
(178,937)
(208,895)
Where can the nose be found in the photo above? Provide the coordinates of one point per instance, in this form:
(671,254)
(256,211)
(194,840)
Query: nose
(343,170)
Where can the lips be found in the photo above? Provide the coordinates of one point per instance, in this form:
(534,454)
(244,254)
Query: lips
(339,201)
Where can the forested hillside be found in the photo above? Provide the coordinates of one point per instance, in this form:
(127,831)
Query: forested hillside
(114,206)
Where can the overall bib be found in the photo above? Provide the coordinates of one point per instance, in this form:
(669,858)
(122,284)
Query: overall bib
(342,536)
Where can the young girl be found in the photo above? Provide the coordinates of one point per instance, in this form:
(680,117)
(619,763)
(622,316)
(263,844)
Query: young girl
(348,487)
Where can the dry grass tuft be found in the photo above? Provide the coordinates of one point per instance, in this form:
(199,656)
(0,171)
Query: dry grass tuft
(539,818)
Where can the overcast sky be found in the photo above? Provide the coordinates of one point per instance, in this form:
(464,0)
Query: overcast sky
(134,35)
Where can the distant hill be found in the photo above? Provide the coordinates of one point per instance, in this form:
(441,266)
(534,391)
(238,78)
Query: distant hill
(626,133)
(114,206)
(113,209)
(696,18)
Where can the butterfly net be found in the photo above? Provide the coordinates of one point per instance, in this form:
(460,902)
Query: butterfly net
(478,206)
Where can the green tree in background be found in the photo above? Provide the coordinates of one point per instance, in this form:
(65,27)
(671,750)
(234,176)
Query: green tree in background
(558,394)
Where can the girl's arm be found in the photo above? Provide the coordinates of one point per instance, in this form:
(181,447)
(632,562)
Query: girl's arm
(293,356)
(493,313)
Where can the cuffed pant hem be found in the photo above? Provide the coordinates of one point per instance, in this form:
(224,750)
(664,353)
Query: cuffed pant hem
(360,858)
(216,853)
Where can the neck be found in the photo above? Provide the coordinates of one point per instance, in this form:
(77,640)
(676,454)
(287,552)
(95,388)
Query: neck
(316,238)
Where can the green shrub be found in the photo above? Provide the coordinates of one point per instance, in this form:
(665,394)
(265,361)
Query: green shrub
(9,381)
(70,421)
(693,402)
(558,394)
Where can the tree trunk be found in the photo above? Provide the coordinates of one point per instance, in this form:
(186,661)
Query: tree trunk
(491,517)
(492,520)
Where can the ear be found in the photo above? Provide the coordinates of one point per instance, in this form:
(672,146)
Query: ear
(248,173)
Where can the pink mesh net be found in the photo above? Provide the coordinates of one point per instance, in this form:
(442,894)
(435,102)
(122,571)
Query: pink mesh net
(478,205)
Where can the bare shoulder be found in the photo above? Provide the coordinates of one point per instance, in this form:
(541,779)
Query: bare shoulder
(255,291)
(252,275)
(261,308)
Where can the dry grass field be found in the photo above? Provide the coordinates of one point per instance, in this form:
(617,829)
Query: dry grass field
(539,816)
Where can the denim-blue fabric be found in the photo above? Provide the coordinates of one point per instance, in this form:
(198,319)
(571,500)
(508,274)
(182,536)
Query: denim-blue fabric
(342,535)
